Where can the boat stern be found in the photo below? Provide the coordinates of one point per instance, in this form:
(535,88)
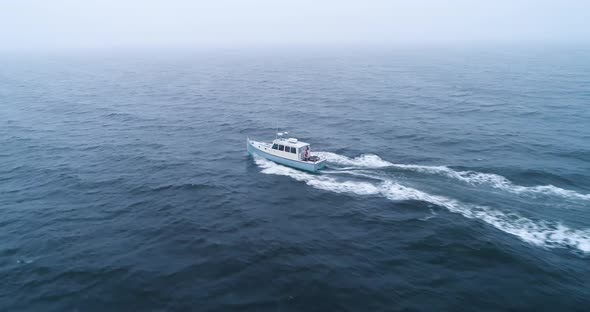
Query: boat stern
(319,165)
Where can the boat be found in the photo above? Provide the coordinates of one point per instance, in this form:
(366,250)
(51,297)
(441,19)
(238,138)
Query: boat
(287,151)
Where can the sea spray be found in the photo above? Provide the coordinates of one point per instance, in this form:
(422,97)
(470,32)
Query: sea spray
(540,233)
(371,161)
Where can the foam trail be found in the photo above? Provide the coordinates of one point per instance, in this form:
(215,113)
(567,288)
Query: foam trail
(540,233)
(320,182)
(470,177)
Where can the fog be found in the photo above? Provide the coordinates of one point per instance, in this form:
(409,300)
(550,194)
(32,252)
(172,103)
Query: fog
(74,24)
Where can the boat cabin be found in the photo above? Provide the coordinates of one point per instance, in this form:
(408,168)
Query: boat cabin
(291,148)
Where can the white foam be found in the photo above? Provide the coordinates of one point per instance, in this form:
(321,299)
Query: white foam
(540,233)
(470,177)
(365,160)
(317,181)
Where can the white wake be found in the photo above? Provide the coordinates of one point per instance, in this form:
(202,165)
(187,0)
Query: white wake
(470,177)
(540,233)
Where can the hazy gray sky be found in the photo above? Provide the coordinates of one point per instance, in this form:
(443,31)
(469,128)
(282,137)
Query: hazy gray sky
(44,24)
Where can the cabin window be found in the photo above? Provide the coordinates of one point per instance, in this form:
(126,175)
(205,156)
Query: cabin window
(275,146)
(293,150)
(287,149)
(281,147)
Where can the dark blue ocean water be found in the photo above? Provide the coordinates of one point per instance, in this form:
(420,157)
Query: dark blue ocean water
(458,180)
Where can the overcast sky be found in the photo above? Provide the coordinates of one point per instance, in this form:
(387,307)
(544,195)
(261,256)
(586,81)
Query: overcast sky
(56,24)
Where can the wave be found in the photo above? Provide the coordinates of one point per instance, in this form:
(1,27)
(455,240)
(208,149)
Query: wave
(432,215)
(470,177)
(539,233)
